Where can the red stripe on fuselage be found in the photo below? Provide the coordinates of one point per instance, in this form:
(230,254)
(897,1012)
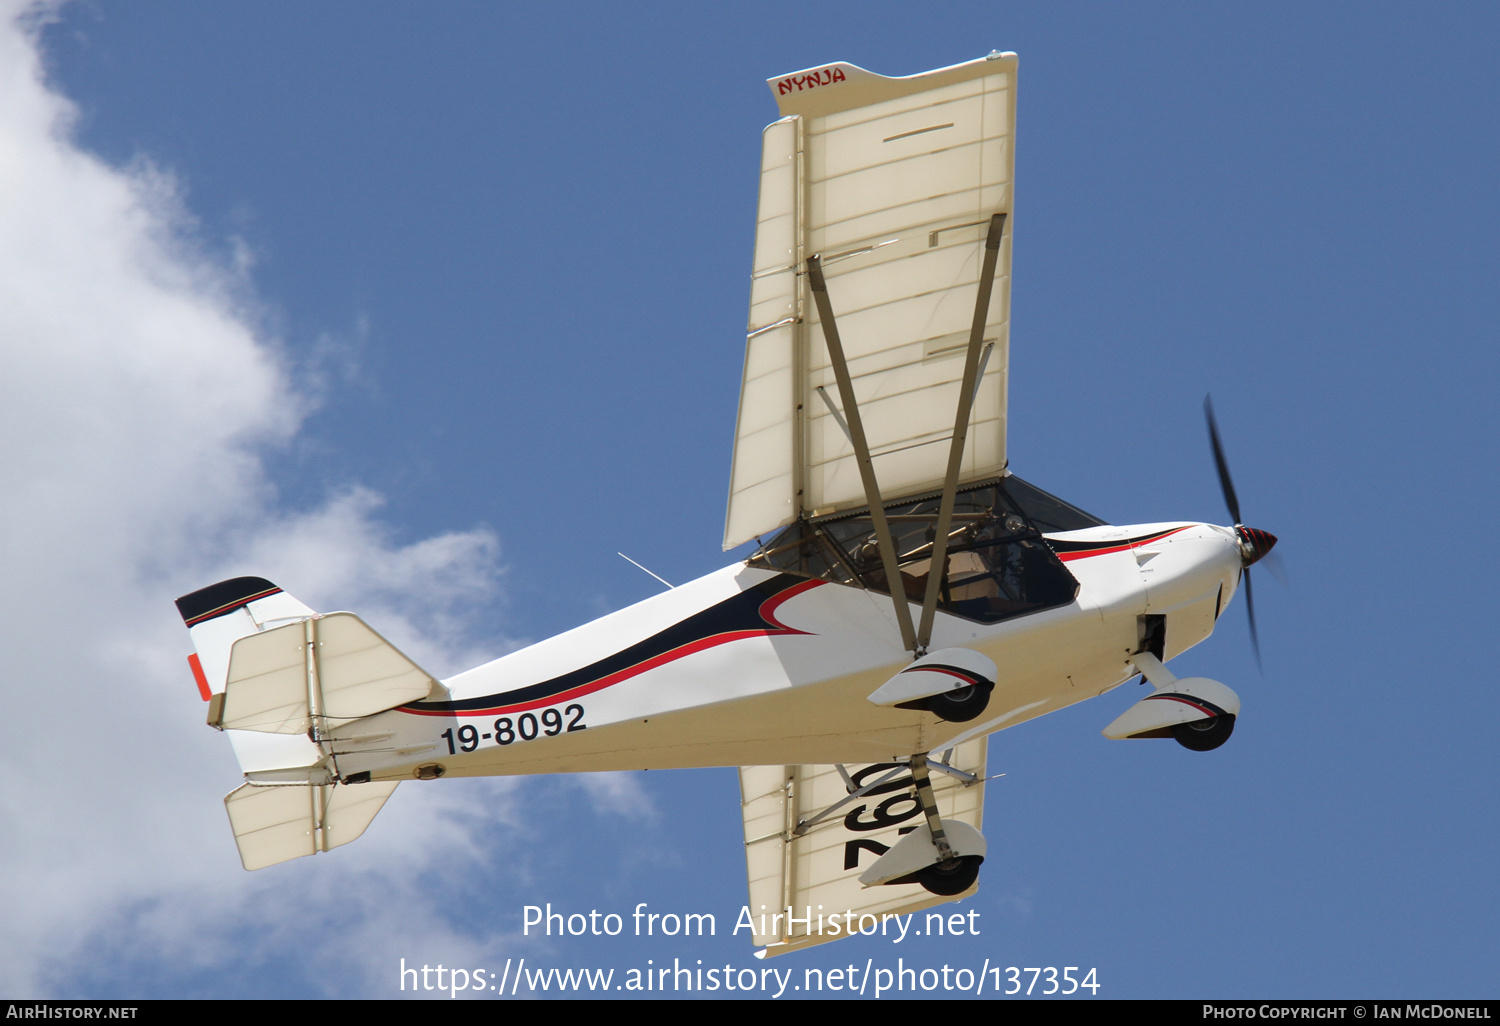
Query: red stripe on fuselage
(1068,557)
(767,613)
(769,606)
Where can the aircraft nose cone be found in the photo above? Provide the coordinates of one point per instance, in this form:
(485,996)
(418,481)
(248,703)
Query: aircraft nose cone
(1254,544)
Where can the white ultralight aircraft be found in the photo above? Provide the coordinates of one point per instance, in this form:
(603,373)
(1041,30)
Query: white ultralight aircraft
(870,448)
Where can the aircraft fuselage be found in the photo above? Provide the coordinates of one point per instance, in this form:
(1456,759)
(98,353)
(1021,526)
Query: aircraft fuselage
(753,666)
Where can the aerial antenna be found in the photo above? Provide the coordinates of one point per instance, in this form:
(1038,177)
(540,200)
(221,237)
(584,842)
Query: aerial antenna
(659,577)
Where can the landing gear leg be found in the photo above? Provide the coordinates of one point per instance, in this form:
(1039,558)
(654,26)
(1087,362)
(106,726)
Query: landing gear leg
(952,873)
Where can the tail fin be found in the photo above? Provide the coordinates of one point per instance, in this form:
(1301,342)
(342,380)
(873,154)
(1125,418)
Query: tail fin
(277,676)
(221,614)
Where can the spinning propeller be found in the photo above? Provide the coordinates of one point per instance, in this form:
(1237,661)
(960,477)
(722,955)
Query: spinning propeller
(1254,544)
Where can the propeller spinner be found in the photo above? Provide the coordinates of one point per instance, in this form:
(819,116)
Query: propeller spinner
(1254,543)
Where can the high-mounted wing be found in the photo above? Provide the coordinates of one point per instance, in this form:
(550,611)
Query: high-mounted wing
(893,182)
(816,871)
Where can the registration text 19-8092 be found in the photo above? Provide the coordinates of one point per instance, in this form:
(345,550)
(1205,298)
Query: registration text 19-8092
(507,730)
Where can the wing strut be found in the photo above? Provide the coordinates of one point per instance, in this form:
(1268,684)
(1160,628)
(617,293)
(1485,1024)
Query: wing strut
(862,449)
(939,564)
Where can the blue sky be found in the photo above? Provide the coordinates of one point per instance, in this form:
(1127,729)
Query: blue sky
(471,286)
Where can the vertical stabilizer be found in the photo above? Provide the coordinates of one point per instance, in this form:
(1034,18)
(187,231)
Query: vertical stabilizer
(221,614)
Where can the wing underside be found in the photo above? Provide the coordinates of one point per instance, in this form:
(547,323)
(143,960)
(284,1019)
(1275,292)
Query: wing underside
(893,182)
(816,873)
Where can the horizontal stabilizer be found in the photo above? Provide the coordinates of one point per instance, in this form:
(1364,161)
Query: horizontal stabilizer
(353,672)
(283,822)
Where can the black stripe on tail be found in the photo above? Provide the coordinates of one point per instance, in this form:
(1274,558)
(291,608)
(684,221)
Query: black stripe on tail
(224,597)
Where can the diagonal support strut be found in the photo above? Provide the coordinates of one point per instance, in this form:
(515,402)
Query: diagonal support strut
(861,452)
(966,392)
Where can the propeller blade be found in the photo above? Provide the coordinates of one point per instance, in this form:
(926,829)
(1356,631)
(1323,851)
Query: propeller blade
(1250,609)
(1254,544)
(1230,499)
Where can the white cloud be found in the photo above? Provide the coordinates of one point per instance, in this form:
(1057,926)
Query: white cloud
(137,392)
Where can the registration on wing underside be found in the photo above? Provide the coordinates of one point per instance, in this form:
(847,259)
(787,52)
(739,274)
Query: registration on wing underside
(894,194)
(819,867)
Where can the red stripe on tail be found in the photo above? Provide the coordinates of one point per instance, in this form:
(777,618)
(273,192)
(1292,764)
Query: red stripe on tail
(200,677)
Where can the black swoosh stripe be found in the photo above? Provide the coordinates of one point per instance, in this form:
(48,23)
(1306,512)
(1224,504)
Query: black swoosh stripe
(742,615)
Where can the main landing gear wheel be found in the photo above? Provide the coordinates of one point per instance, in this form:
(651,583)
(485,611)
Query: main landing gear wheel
(959,706)
(1204,735)
(952,877)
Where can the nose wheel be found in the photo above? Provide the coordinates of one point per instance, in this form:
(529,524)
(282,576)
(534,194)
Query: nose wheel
(1204,735)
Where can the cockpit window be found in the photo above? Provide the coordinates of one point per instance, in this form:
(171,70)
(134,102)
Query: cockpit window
(1049,513)
(998,564)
